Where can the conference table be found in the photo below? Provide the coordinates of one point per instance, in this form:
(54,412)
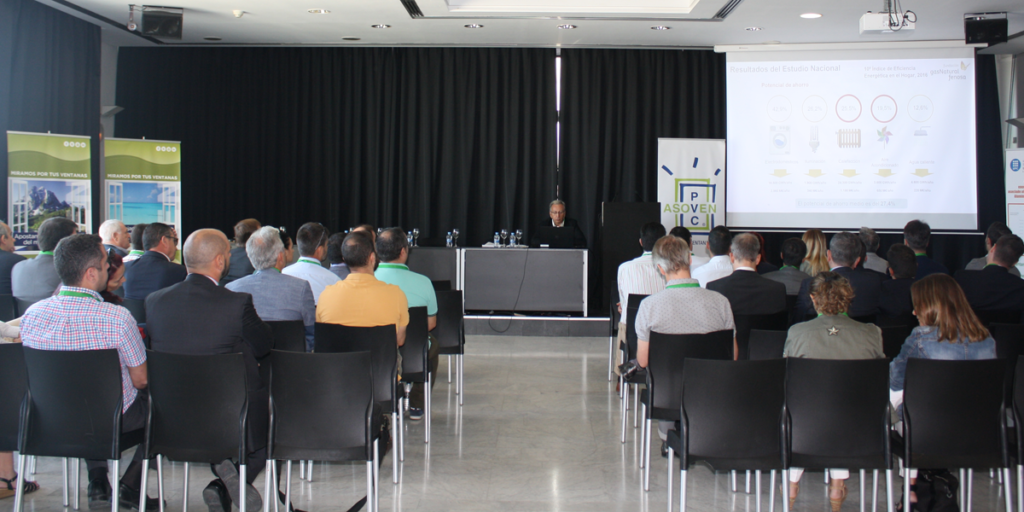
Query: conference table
(509,279)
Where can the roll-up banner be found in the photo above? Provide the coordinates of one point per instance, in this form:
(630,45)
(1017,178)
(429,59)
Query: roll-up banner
(1015,194)
(691,186)
(48,175)
(142,182)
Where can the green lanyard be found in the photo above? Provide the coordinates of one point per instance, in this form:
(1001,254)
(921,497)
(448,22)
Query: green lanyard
(844,314)
(69,293)
(311,262)
(393,265)
(136,253)
(46,253)
(784,267)
(684,285)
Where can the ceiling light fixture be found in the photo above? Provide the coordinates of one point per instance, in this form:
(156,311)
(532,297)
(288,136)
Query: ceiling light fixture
(474,25)
(318,11)
(661,27)
(566,27)
(754,29)
(380,26)
(212,38)
(810,15)
(350,39)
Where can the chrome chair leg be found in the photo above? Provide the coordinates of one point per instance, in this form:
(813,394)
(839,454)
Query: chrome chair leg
(19,492)
(682,490)
(970,489)
(242,482)
(863,490)
(622,410)
(732,477)
(906,487)
(426,394)
(288,484)
(277,486)
(771,492)
(669,487)
(747,480)
(757,487)
(184,490)
(450,370)
(376,477)
(309,471)
(267,476)
(785,490)
(890,494)
(647,455)
(115,490)
(963,486)
(159,482)
(302,470)
(369,485)
(643,440)
(64,472)
(76,475)
(874,491)
(395,441)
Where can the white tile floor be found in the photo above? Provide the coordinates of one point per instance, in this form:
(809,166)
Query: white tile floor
(539,431)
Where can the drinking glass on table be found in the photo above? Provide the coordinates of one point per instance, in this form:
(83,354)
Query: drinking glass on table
(504,235)
(519,236)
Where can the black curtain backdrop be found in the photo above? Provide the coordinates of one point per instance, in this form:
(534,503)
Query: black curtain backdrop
(431,138)
(49,79)
(615,106)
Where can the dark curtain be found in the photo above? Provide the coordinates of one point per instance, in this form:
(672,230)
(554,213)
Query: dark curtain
(49,78)
(431,138)
(615,105)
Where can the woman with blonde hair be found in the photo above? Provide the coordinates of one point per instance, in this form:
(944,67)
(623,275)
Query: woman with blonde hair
(816,260)
(832,335)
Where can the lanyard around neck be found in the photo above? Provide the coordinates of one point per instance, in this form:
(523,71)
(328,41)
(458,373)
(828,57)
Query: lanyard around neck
(311,262)
(684,285)
(69,293)
(393,265)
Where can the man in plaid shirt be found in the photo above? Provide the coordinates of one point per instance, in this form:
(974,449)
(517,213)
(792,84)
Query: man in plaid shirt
(78,319)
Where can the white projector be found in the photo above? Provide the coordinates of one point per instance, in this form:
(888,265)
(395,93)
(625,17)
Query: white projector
(878,23)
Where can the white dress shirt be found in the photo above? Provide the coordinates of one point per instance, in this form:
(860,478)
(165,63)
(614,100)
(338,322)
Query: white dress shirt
(717,268)
(311,270)
(638,276)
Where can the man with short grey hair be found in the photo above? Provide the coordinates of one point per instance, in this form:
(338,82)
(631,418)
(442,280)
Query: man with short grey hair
(844,253)
(8,259)
(556,210)
(115,237)
(276,297)
(871,243)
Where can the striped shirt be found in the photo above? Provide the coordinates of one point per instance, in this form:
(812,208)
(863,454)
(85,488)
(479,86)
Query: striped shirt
(85,322)
(638,276)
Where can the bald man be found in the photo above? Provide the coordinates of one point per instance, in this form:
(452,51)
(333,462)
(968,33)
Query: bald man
(198,317)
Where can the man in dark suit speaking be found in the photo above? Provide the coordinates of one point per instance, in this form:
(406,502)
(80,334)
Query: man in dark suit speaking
(843,256)
(154,270)
(199,317)
(558,220)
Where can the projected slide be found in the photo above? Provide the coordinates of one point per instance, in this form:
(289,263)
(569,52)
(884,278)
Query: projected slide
(850,143)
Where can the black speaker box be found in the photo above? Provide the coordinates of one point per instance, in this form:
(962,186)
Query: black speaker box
(991,31)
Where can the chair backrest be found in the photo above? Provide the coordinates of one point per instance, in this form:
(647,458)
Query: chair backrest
(1018,404)
(8,310)
(22,305)
(838,413)
(631,310)
(382,344)
(198,407)
(668,352)
(414,350)
(289,335)
(730,413)
(791,301)
(953,413)
(441,286)
(745,323)
(907,319)
(893,338)
(449,330)
(137,308)
(321,406)
(766,344)
(865,319)
(999,316)
(1009,346)
(14,382)
(73,405)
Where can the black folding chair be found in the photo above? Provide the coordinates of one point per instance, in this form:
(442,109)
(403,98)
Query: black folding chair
(613,327)
(730,419)
(767,344)
(197,413)
(14,382)
(1018,417)
(137,308)
(72,409)
(746,323)
(22,305)
(322,408)
(8,310)
(954,417)
(451,335)
(382,344)
(998,316)
(837,415)
(628,348)
(666,355)
(415,363)
(441,286)
(893,338)
(1009,346)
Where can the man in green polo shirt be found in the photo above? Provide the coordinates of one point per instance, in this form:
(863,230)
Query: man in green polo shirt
(393,251)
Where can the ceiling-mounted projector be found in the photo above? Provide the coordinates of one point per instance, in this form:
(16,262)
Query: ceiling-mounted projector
(885,22)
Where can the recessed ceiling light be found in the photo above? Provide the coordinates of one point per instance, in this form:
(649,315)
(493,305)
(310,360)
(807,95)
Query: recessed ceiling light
(381,26)
(567,27)
(474,25)
(754,29)
(350,39)
(661,27)
(212,38)
(810,15)
(318,11)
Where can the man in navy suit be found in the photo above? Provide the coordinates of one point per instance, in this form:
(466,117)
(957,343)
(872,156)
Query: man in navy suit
(155,269)
(994,287)
(844,251)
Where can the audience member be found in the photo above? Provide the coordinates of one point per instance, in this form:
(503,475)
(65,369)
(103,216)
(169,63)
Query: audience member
(683,307)
(198,317)
(996,230)
(367,228)
(793,252)
(115,278)
(155,269)
(696,260)
(393,250)
(894,300)
(289,246)
(8,259)
(79,319)
(719,265)
(832,335)
(35,279)
(277,297)
(240,264)
(917,235)
(993,287)
(816,260)
(556,210)
(871,242)
(843,256)
(639,276)
(312,242)
(115,237)
(338,265)
(137,251)
(763,267)
(361,300)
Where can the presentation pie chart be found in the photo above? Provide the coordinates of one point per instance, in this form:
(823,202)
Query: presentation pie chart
(814,108)
(848,108)
(883,108)
(779,108)
(920,108)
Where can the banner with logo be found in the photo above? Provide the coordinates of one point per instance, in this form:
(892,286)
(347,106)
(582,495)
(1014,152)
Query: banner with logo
(1015,194)
(142,182)
(48,175)
(691,186)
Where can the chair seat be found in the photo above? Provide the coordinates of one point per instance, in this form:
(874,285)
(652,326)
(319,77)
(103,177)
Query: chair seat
(128,440)
(943,460)
(658,413)
(640,377)
(770,461)
(336,455)
(414,377)
(450,351)
(866,461)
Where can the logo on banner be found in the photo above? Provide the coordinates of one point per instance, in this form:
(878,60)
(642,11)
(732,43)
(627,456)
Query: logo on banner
(694,204)
(1015,165)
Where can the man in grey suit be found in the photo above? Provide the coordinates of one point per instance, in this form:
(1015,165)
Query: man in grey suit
(793,252)
(275,296)
(36,279)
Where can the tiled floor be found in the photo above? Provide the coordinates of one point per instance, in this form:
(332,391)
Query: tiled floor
(539,431)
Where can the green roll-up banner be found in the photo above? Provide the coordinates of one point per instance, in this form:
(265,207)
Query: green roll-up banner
(142,181)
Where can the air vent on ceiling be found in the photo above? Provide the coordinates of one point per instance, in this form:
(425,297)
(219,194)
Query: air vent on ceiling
(727,9)
(414,10)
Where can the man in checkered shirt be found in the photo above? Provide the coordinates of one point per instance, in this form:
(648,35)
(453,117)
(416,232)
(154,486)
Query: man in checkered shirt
(78,319)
